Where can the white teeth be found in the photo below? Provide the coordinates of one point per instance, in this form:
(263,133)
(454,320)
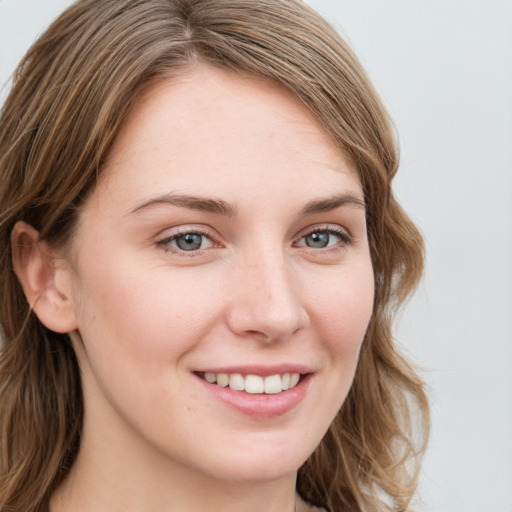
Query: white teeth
(210,377)
(294,379)
(222,380)
(236,382)
(254,384)
(273,384)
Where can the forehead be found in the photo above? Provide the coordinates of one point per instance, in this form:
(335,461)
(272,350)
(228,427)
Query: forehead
(209,128)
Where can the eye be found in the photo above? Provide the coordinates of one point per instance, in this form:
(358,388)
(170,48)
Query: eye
(188,242)
(322,238)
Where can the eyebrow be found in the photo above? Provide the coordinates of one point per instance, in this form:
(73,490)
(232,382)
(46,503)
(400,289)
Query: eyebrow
(221,207)
(331,203)
(203,204)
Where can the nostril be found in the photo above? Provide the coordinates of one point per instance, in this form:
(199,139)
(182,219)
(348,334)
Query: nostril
(258,322)
(266,305)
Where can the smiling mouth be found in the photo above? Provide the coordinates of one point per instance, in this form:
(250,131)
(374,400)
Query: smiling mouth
(253,384)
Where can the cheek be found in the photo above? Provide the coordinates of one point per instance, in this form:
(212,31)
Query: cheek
(142,315)
(343,312)
(135,329)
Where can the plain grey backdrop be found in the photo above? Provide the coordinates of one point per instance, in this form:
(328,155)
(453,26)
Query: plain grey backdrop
(444,69)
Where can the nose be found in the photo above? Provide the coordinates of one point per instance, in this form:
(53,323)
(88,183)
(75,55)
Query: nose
(265,300)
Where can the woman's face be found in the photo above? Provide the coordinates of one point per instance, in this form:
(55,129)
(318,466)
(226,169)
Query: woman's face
(225,243)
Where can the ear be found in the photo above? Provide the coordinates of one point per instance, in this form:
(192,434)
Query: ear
(47,286)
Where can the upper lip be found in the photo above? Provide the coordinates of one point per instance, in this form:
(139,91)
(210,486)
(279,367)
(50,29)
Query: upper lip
(262,370)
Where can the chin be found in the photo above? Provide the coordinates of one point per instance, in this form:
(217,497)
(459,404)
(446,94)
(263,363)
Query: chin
(260,463)
(255,472)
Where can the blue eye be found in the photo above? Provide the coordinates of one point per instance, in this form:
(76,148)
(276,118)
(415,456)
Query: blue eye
(188,242)
(322,238)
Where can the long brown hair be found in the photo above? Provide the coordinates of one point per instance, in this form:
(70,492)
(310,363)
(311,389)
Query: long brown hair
(70,96)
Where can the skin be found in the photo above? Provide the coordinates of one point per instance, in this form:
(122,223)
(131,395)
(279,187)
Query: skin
(144,316)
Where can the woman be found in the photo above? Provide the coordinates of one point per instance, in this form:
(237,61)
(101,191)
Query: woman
(201,255)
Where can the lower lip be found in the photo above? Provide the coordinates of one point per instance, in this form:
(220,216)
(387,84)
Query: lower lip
(261,406)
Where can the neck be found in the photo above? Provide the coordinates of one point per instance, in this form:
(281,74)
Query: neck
(88,493)
(110,477)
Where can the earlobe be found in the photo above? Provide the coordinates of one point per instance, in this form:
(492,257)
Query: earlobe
(34,265)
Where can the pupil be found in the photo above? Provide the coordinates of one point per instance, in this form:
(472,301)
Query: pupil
(317,240)
(189,242)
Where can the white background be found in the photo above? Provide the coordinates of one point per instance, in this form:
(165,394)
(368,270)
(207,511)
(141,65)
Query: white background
(444,69)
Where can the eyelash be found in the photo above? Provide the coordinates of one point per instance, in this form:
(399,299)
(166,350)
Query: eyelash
(343,238)
(165,243)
